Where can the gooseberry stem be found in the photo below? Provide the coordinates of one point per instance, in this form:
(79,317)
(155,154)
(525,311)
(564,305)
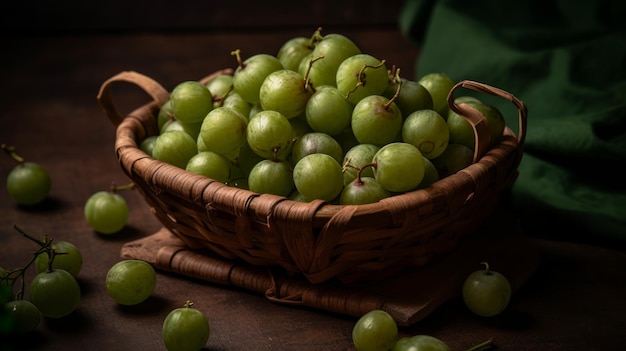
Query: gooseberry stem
(359,170)
(307,79)
(115,188)
(398,80)
(363,78)
(10,150)
(483,344)
(219,100)
(237,54)
(316,36)
(486,267)
(347,165)
(397,93)
(45,245)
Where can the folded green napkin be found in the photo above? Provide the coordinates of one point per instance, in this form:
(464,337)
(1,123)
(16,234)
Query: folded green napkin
(567,61)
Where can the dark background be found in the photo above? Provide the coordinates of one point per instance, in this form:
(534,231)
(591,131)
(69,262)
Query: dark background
(185,15)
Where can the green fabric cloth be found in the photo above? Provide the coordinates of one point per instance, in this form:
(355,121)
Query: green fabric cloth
(567,61)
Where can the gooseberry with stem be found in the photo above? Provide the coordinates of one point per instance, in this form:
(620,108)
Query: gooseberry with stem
(28,183)
(107,211)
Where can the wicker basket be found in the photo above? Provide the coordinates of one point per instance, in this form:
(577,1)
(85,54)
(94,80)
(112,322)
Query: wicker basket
(318,240)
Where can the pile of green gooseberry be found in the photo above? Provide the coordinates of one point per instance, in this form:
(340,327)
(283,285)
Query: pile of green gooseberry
(319,120)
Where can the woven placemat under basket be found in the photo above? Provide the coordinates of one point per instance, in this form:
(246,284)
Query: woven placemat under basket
(318,240)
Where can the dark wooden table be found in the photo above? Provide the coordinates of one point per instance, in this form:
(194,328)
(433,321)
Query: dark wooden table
(576,300)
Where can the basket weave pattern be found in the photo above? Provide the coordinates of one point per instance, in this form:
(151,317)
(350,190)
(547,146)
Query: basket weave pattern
(319,240)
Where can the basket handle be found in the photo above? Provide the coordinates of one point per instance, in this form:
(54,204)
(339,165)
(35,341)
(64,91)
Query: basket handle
(105,98)
(478,121)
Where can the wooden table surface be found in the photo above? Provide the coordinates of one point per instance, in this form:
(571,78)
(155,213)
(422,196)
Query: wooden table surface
(576,300)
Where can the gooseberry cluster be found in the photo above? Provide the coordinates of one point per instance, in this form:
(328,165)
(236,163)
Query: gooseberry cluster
(319,120)
(53,292)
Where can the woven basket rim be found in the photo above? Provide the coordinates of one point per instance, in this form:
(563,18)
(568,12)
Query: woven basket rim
(324,210)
